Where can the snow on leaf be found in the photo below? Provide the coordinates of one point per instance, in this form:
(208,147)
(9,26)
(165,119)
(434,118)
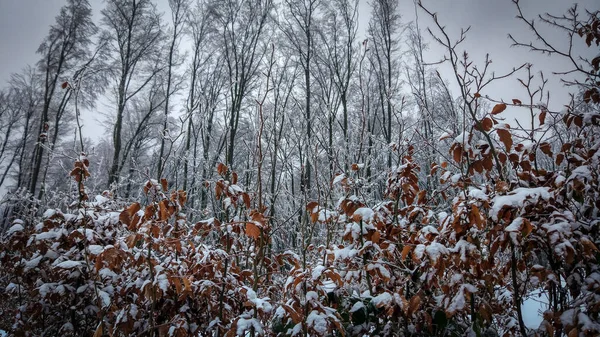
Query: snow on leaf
(381,300)
(357,306)
(365,213)
(15,228)
(515,225)
(244,324)
(105,298)
(95,249)
(69,264)
(435,250)
(517,198)
(338,178)
(317,321)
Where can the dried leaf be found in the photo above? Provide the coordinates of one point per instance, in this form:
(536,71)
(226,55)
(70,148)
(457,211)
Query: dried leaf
(405,251)
(293,314)
(375,237)
(246,199)
(98,332)
(252,230)
(221,169)
(457,153)
(546,148)
(516,101)
(413,304)
(527,227)
(498,108)
(486,124)
(542,117)
(505,137)
(559,158)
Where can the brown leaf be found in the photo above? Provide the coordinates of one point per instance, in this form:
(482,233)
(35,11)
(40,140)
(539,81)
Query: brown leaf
(477,95)
(164,184)
(64,86)
(252,230)
(498,108)
(163,213)
(375,237)
(505,137)
(542,117)
(293,314)
(486,124)
(546,148)
(187,284)
(405,251)
(559,158)
(578,120)
(457,153)
(527,227)
(246,199)
(311,206)
(516,101)
(413,304)
(221,169)
(127,214)
(98,332)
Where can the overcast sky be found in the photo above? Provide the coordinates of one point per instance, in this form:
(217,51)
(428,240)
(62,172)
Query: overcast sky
(24,23)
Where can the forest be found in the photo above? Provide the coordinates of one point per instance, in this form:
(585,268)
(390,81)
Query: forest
(276,168)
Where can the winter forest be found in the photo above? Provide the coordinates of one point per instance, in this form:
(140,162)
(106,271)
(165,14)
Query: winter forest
(278,168)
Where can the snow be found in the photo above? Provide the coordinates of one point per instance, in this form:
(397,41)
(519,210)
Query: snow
(357,306)
(517,198)
(95,249)
(381,300)
(338,178)
(365,213)
(581,172)
(429,230)
(260,303)
(33,262)
(48,213)
(317,271)
(455,178)
(69,264)
(105,298)
(346,252)
(463,247)
(318,321)
(463,139)
(444,135)
(312,296)
(244,325)
(163,282)
(15,228)
(382,270)
(478,194)
(435,250)
(48,235)
(515,225)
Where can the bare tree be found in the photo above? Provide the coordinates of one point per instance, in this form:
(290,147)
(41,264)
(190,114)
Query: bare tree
(66,43)
(178,10)
(133,29)
(384,41)
(241,25)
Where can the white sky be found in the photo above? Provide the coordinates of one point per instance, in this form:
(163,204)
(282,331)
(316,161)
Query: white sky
(24,23)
